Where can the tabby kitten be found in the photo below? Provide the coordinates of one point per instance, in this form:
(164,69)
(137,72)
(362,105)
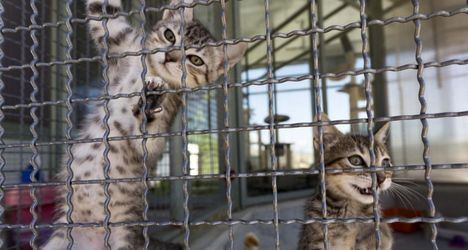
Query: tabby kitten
(348,194)
(125,157)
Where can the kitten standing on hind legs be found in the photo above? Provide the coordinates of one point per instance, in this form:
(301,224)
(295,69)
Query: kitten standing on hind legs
(203,65)
(348,194)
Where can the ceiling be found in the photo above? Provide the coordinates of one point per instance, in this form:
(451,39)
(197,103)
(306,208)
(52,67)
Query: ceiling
(252,22)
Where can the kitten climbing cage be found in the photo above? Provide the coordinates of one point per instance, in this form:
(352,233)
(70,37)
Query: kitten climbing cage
(247,139)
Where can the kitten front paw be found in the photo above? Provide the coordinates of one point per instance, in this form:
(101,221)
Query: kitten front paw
(154,101)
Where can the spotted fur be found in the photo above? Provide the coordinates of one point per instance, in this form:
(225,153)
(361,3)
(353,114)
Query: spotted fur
(343,196)
(126,156)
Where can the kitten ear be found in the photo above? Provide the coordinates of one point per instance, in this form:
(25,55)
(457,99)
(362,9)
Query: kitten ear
(330,134)
(235,52)
(175,14)
(382,134)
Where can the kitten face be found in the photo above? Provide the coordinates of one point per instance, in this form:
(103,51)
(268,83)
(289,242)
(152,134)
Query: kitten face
(358,186)
(352,151)
(203,65)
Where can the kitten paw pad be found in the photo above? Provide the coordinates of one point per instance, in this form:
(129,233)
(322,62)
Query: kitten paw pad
(153,100)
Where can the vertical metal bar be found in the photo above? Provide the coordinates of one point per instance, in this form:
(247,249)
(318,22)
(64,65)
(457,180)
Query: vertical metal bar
(370,118)
(321,61)
(377,59)
(322,58)
(2,130)
(185,164)
(311,69)
(32,128)
(435,40)
(237,139)
(210,137)
(88,64)
(41,81)
(244,141)
(22,81)
(227,146)
(425,128)
(275,92)
(318,112)
(143,129)
(105,77)
(22,100)
(76,54)
(273,159)
(69,124)
(53,80)
(177,196)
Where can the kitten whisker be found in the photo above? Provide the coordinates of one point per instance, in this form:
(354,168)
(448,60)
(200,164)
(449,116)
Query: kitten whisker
(405,182)
(413,192)
(405,201)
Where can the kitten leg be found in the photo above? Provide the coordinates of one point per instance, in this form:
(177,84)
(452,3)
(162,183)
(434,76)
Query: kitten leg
(127,238)
(57,240)
(119,29)
(340,237)
(386,239)
(154,102)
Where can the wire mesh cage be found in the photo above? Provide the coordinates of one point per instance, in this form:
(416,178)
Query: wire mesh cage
(246,138)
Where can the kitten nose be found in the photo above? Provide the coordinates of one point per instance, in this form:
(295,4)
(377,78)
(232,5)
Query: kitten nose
(169,58)
(381,178)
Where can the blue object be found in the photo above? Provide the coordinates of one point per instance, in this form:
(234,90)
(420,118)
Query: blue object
(458,241)
(26,173)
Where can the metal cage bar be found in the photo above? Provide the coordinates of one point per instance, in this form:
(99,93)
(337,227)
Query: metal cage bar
(143,126)
(425,128)
(225,137)
(69,152)
(370,117)
(105,120)
(317,94)
(32,127)
(185,166)
(2,130)
(271,125)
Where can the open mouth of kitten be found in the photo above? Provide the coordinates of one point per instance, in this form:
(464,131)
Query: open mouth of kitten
(363,191)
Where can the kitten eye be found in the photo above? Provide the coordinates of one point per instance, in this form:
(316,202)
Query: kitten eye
(356,160)
(386,163)
(169,35)
(195,60)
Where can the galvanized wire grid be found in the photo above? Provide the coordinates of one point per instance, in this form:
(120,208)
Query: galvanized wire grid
(270,81)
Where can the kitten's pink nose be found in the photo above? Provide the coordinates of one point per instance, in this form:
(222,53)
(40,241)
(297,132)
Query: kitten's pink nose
(381,178)
(169,57)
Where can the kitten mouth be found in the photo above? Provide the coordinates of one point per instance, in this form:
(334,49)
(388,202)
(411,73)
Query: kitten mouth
(363,191)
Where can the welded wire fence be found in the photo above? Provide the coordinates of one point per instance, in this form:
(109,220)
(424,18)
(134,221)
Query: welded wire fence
(51,76)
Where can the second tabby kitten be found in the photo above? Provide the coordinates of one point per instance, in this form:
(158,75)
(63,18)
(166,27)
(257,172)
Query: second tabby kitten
(349,195)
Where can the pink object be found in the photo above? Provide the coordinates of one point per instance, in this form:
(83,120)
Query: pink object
(18,203)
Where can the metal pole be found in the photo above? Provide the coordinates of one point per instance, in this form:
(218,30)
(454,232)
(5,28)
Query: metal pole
(377,56)
(322,56)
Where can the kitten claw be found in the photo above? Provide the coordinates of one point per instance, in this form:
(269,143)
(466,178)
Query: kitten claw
(154,102)
(153,82)
(156,110)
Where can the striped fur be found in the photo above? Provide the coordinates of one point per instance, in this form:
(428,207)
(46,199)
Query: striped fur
(343,198)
